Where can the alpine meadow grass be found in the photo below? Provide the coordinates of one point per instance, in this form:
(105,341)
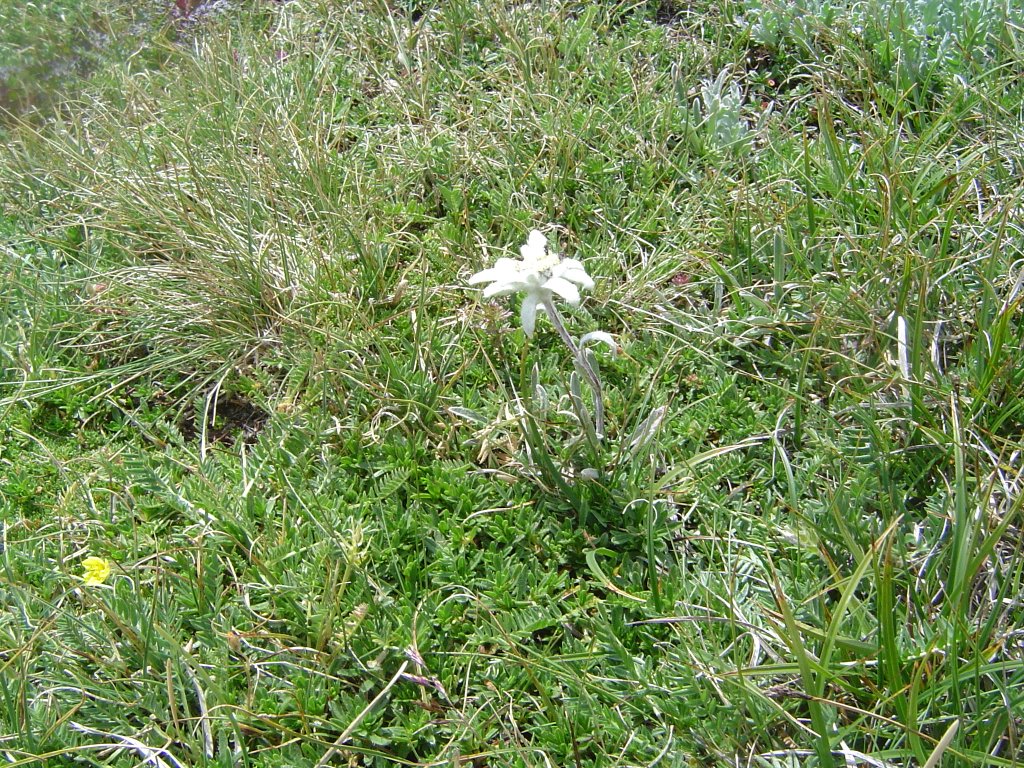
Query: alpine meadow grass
(280,487)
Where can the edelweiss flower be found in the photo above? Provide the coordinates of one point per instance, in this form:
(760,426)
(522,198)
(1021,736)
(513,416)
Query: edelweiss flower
(540,274)
(96,571)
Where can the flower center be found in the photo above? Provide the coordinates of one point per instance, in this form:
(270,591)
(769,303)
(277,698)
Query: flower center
(546,263)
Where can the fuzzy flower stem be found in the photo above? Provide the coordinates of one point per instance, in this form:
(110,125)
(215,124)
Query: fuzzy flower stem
(595,383)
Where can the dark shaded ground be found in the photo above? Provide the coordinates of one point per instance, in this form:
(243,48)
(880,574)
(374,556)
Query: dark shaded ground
(236,418)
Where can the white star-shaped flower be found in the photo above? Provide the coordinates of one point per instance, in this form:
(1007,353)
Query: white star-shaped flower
(540,274)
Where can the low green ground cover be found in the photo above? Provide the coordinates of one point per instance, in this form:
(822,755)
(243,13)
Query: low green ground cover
(353,515)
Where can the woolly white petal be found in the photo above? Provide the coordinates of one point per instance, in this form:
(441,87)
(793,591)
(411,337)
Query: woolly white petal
(563,288)
(528,313)
(572,270)
(500,289)
(510,284)
(536,246)
(502,270)
(483,276)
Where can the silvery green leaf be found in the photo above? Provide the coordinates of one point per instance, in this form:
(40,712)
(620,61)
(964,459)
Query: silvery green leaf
(590,359)
(1011,297)
(600,336)
(590,474)
(902,347)
(540,395)
(540,398)
(585,419)
(645,430)
(468,414)
(570,415)
(756,300)
(574,385)
(938,359)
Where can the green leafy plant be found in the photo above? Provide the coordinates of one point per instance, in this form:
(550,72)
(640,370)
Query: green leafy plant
(539,276)
(717,124)
(790,26)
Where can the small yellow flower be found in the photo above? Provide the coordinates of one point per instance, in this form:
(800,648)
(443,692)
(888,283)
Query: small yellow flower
(96,571)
